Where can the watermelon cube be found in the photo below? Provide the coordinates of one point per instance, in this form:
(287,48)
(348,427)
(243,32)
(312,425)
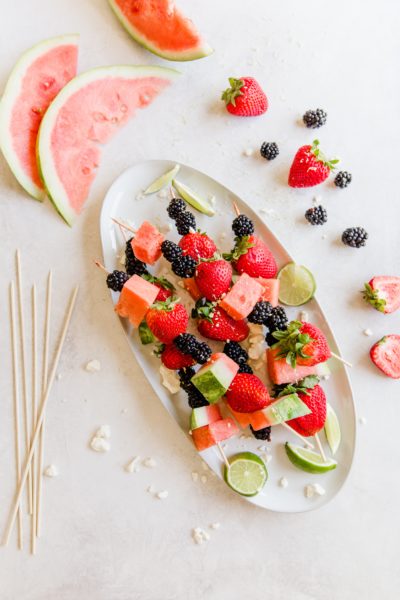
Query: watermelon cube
(209,435)
(191,286)
(204,415)
(270,290)
(284,409)
(241,298)
(215,377)
(256,419)
(147,243)
(135,299)
(280,372)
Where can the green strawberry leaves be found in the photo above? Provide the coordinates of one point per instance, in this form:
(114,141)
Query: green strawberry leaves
(166,305)
(230,94)
(160,280)
(302,387)
(204,309)
(371,296)
(291,343)
(242,245)
(315,149)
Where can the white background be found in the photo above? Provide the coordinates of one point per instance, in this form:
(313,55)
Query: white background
(104,536)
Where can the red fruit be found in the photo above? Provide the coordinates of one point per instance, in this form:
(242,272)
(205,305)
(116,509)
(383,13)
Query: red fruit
(198,245)
(385,354)
(245,98)
(383,293)
(174,359)
(222,327)
(166,320)
(317,349)
(309,167)
(163,294)
(302,344)
(314,422)
(247,393)
(213,278)
(254,258)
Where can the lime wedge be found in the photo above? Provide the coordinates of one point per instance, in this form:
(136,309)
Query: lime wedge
(247,474)
(192,198)
(307,460)
(332,429)
(162,181)
(297,285)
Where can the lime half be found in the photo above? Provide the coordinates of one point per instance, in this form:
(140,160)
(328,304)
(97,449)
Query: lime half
(193,198)
(247,474)
(297,285)
(332,429)
(307,460)
(162,181)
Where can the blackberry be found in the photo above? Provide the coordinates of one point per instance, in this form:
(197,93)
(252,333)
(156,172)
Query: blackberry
(170,250)
(269,338)
(176,207)
(235,351)
(185,222)
(316,215)
(184,266)
(269,150)
(242,226)
(354,237)
(245,368)
(260,313)
(277,319)
(343,179)
(262,434)
(186,343)
(116,280)
(195,399)
(185,376)
(315,118)
(133,265)
(202,352)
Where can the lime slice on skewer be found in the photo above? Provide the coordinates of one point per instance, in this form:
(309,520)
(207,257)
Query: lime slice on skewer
(162,181)
(193,198)
(247,474)
(332,429)
(307,460)
(297,285)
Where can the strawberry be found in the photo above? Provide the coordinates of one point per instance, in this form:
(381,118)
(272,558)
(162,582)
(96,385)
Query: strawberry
(213,278)
(314,397)
(247,393)
(215,324)
(250,255)
(198,245)
(165,286)
(245,98)
(310,167)
(166,320)
(174,359)
(385,354)
(383,293)
(301,343)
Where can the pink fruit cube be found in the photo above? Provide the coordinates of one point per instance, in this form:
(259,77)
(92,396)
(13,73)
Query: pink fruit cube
(209,435)
(280,372)
(147,243)
(135,299)
(256,419)
(270,290)
(241,298)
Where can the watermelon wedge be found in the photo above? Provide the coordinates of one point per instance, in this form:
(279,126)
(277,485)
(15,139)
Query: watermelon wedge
(161,28)
(34,82)
(85,114)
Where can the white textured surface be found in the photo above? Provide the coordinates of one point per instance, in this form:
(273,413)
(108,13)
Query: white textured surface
(104,536)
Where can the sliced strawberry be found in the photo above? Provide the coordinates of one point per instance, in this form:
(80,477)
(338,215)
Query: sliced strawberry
(213,278)
(383,293)
(247,393)
(215,324)
(310,167)
(385,354)
(198,245)
(174,359)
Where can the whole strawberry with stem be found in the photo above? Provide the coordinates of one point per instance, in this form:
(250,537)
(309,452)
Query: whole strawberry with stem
(302,344)
(314,397)
(213,278)
(215,324)
(310,167)
(198,245)
(383,293)
(250,255)
(247,393)
(166,320)
(245,98)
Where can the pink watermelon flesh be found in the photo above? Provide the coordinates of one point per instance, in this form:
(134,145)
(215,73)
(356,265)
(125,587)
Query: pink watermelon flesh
(90,117)
(42,81)
(280,371)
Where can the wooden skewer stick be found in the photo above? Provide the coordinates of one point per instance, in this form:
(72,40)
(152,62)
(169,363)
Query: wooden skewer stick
(101,266)
(236,208)
(124,225)
(346,362)
(23,368)
(16,405)
(39,421)
(34,384)
(320,448)
(303,439)
(223,455)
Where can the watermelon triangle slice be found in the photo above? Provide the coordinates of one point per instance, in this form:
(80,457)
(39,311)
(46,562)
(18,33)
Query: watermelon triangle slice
(36,79)
(161,28)
(85,114)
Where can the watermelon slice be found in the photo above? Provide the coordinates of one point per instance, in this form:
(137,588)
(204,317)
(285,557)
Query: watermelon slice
(86,113)
(161,28)
(34,82)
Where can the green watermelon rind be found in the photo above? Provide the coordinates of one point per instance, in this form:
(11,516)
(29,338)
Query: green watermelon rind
(186,55)
(47,168)
(11,92)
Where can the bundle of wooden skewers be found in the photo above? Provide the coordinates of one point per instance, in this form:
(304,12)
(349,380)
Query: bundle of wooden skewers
(30,400)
